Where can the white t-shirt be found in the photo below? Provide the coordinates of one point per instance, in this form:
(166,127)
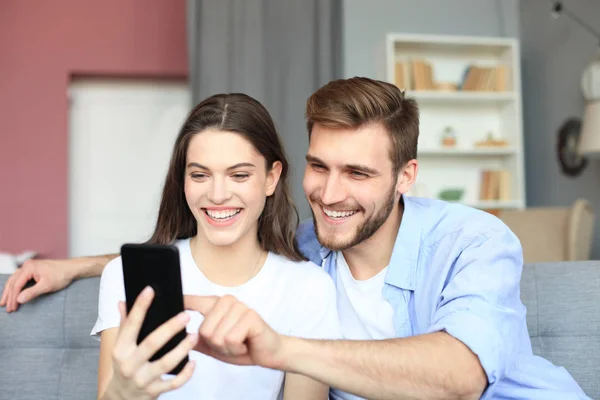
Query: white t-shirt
(363,311)
(294,298)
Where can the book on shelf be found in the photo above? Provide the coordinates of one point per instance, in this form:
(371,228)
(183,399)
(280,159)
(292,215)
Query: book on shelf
(417,74)
(495,185)
(484,79)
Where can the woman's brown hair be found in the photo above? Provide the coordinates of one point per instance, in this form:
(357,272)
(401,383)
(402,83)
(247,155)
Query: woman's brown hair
(244,115)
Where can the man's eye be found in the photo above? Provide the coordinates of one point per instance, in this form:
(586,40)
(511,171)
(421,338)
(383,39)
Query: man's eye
(357,174)
(318,167)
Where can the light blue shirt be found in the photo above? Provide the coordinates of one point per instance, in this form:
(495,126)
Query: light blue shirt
(458,269)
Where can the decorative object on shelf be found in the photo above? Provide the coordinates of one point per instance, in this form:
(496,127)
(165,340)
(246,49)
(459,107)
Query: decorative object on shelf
(454,194)
(570,160)
(491,142)
(449,137)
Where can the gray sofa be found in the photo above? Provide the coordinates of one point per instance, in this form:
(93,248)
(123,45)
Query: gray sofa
(46,351)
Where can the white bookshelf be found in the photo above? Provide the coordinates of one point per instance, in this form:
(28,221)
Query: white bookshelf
(492,105)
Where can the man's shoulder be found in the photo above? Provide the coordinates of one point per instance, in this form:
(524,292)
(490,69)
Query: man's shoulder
(308,243)
(441,219)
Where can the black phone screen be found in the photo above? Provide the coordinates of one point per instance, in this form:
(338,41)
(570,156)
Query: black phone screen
(156,266)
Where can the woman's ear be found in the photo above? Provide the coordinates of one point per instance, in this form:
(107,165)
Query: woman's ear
(273,178)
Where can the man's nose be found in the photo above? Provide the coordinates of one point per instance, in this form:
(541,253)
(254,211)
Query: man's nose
(333,191)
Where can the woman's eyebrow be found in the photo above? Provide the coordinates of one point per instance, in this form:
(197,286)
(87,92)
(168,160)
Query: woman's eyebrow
(236,166)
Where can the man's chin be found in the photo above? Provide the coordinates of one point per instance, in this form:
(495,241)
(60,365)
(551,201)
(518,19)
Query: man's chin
(333,241)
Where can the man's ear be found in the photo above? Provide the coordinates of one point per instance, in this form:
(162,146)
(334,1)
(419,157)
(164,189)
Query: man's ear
(273,176)
(407,176)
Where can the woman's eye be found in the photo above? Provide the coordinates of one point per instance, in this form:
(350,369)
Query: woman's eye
(240,177)
(198,176)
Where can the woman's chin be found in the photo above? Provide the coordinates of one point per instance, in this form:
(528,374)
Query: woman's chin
(221,238)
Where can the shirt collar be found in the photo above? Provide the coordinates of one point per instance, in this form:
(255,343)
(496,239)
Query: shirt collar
(402,269)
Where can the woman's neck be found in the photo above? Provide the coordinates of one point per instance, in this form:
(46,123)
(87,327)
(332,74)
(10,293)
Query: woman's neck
(231,265)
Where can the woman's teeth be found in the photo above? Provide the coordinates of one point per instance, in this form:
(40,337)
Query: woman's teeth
(223,215)
(338,214)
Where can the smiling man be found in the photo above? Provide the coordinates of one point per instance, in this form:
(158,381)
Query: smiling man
(427,291)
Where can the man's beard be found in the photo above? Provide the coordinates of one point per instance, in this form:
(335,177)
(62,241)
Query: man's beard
(365,230)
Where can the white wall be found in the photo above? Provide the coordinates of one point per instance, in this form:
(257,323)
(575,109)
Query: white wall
(121,139)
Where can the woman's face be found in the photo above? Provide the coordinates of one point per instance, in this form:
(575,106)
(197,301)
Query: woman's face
(226,185)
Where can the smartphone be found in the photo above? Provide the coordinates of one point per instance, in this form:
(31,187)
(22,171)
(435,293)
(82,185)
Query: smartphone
(156,266)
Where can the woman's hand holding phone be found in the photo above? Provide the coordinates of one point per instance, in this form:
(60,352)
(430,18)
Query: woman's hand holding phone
(134,376)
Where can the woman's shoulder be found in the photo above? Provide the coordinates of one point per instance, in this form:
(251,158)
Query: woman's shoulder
(113,269)
(300,271)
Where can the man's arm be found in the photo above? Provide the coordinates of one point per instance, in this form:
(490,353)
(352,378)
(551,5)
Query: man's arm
(301,387)
(432,366)
(86,267)
(49,276)
(470,345)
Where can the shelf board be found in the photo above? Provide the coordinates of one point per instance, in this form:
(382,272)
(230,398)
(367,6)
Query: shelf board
(476,151)
(499,204)
(460,97)
(451,41)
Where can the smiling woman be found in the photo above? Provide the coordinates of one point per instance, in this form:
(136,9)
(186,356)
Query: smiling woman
(226,206)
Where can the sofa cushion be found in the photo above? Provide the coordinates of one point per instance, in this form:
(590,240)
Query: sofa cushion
(563,318)
(46,351)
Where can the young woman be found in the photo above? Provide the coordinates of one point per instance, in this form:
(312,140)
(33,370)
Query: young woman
(226,206)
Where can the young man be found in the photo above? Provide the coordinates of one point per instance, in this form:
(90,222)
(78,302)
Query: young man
(428,292)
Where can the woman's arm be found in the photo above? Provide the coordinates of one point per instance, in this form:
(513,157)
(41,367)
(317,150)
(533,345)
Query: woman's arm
(300,387)
(105,371)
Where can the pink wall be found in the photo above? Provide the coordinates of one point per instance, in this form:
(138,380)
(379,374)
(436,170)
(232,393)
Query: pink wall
(42,44)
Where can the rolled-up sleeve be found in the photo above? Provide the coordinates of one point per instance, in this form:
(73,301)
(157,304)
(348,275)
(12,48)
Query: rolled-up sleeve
(480,302)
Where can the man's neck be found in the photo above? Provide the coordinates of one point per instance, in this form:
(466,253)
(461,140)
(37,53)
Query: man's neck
(231,265)
(370,257)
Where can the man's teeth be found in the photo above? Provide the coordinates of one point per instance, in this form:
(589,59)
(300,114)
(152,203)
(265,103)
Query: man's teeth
(223,214)
(338,214)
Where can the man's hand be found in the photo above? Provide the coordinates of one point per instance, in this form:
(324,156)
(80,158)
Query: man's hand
(49,276)
(235,334)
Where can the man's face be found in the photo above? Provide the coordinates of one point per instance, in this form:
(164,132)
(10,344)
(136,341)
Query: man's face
(349,183)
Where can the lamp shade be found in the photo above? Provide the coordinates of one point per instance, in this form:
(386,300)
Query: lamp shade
(589,141)
(590,80)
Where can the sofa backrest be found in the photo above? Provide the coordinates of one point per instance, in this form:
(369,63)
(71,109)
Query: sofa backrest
(563,317)
(46,351)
